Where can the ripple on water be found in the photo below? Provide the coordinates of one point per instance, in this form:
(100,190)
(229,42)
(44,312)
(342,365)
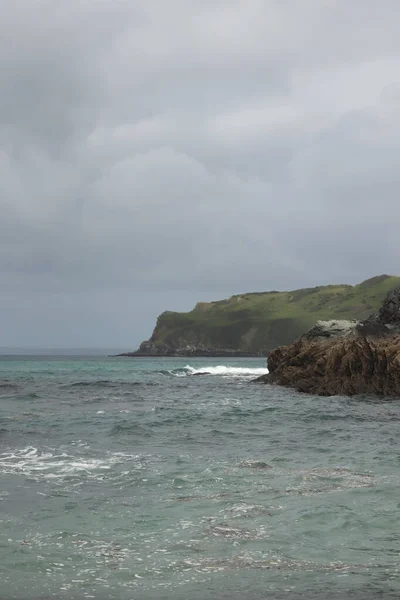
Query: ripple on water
(309,482)
(207,484)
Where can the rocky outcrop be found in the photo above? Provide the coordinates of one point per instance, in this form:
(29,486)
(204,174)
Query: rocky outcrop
(344,358)
(332,329)
(387,319)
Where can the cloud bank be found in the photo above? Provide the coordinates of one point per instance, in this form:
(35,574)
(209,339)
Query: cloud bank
(154,154)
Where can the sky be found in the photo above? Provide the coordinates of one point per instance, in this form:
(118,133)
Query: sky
(154,154)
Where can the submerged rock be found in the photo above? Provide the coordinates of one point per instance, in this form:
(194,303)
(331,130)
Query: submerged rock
(344,357)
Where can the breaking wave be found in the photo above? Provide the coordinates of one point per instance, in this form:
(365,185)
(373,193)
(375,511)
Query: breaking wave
(219,370)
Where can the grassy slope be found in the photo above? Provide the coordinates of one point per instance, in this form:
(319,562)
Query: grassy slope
(260,321)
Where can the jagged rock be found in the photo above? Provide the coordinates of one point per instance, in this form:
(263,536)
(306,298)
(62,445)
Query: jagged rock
(346,359)
(389,312)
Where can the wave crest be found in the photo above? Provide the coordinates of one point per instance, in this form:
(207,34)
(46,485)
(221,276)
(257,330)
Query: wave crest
(219,370)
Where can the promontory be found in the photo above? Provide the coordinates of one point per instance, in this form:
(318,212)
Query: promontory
(253,324)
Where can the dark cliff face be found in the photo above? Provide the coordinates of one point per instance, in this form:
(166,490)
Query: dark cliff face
(389,313)
(362,358)
(149,348)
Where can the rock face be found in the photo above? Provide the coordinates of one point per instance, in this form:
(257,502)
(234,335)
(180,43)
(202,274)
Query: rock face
(344,358)
(330,329)
(388,315)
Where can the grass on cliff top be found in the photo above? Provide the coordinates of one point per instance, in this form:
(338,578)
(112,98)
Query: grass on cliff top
(299,308)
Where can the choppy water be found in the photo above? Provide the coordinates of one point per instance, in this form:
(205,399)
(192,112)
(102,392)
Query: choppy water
(133,479)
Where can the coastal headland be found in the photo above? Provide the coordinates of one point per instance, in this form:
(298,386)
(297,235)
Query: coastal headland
(253,324)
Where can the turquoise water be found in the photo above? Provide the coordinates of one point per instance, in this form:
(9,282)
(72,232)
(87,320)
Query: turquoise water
(136,479)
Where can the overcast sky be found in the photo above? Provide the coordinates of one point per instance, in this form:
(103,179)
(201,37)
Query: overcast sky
(154,153)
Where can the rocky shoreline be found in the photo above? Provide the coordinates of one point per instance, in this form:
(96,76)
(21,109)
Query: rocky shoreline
(343,357)
(193,354)
(151,350)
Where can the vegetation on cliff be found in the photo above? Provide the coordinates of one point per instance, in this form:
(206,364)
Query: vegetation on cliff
(255,323)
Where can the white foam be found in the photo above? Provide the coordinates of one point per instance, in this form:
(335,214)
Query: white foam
(226,371)
(32,462)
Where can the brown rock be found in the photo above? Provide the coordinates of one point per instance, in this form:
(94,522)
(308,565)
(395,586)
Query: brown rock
(363,360)
(348,366)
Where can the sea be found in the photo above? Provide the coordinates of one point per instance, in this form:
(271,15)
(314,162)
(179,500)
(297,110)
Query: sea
(139,479)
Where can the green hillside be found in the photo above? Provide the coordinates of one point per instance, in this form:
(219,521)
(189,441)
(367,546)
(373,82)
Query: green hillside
(257,322)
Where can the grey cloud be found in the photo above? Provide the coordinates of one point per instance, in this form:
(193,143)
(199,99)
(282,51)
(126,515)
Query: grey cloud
(154,154)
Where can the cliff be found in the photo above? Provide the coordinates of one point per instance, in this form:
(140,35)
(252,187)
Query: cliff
(344,358)
(255,323)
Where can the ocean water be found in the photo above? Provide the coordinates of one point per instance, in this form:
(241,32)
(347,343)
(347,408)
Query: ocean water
(135,479)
